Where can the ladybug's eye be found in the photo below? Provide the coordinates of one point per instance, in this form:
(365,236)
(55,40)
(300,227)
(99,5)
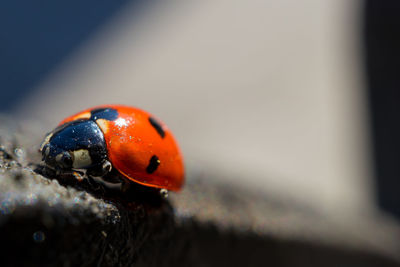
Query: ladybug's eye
(64,160)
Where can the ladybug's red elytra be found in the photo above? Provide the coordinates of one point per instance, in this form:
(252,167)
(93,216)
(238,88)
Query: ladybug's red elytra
(127,139)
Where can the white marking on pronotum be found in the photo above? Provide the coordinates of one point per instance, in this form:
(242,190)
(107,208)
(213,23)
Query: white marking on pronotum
(103,124)
(45,141)
(85,115)
(81,158)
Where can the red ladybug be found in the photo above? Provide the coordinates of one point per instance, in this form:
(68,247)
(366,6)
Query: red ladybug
(133,142)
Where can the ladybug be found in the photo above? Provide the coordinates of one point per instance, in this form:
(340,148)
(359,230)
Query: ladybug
(114,137)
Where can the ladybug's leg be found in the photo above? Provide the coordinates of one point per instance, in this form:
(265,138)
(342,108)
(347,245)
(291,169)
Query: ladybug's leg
(125,185)
(48,172)
(163,193)
(43,170)
(107,185)
(106,167)
(108,179)
(100,170)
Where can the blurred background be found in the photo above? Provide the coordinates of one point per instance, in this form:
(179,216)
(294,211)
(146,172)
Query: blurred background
(296,98)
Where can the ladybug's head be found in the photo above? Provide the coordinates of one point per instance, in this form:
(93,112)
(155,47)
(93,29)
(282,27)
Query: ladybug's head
(74,145)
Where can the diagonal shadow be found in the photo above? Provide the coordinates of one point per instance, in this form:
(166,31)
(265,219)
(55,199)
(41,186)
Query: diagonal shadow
(35,36)
(382,56)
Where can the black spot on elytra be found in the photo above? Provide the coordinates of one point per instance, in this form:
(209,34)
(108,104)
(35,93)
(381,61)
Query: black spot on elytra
(153,164)
(157,126)
(109,114)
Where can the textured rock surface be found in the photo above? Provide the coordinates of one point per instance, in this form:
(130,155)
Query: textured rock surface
(208,224)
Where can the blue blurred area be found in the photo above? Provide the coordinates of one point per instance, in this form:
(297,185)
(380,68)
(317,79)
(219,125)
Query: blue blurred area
(35,36)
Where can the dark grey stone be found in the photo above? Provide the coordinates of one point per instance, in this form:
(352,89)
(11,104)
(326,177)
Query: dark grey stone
(210,223)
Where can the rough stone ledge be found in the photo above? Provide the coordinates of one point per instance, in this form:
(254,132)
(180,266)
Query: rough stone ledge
(43,223)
